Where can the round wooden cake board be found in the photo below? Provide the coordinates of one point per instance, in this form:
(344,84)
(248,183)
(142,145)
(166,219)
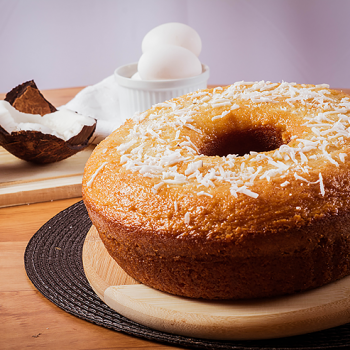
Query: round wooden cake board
(302,313)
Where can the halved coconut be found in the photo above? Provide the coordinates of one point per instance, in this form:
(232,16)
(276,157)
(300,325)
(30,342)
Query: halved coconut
(44,139)
(32,129)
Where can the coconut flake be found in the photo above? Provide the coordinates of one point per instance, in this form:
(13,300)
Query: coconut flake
(187,218)
(125,146)
(202,193)
(95,173)
(156,187)
(247,192)
(220,115)
(193,128)
(192,167)
(342,157)
(321,184)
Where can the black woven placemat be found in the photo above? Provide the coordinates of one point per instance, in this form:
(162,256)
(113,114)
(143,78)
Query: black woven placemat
(53,262)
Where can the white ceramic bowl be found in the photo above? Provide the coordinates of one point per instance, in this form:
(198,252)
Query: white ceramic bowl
(140,95)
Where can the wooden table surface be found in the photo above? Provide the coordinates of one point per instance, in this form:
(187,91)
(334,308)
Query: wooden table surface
(27,319)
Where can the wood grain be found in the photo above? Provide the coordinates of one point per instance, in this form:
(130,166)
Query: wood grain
(297,314)
(100,267)
(23,182)
(28,320)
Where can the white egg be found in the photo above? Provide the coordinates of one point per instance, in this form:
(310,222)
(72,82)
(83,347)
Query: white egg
(136,76)
(174,33)
(168,62)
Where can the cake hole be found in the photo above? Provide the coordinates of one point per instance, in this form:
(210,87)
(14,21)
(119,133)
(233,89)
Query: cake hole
(260,139)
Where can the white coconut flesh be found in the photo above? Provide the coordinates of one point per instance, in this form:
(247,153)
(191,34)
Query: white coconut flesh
(63,123)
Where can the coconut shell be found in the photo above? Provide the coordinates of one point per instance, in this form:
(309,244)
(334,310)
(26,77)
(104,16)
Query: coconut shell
(34,146)
(27,98)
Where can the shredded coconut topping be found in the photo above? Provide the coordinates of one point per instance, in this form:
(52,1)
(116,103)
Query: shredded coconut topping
(177,161)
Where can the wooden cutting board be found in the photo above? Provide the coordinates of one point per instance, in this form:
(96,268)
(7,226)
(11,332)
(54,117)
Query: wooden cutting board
(23,182)
(297,314)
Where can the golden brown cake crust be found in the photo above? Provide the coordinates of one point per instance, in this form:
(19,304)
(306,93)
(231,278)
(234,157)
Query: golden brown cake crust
(180,213)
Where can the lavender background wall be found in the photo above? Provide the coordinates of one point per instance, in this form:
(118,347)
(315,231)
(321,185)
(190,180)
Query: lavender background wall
(70,43)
